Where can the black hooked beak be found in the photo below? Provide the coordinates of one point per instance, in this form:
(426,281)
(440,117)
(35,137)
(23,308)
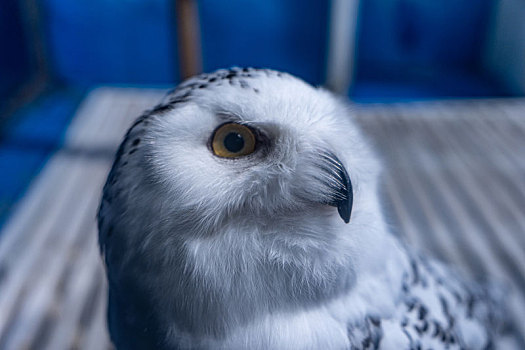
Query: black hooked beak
(340,185)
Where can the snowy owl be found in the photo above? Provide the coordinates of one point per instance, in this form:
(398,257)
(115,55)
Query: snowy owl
(242,213)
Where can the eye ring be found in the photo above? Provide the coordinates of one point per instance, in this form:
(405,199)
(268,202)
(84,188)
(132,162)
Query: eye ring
(232,140)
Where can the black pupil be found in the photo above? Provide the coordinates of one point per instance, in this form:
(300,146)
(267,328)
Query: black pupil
(234,142)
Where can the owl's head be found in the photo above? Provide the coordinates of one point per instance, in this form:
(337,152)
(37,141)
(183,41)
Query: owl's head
(250,148)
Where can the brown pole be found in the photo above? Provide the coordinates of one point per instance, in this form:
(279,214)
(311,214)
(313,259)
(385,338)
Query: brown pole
(190,58)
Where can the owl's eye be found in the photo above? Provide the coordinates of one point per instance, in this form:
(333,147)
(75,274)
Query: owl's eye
(232,140)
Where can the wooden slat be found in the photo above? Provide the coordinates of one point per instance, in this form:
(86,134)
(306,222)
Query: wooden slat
(412,191)
(466,192)
(94,336)
(76,283)
(19,270)
(434,212)
(77,213)
(479,191)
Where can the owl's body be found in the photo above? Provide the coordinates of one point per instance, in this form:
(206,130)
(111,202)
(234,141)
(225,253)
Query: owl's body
(209,251)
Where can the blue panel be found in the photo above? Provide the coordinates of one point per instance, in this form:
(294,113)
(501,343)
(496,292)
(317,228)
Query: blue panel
(426,33)
(14,59)
(132,41)
(101,41)
(448,84)
(286,35)
(422,49)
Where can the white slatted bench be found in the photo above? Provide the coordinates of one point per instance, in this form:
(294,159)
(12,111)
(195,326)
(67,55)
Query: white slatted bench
(454,187)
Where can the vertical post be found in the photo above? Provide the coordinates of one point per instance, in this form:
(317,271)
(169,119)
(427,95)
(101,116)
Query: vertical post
(341,45)
(188,31)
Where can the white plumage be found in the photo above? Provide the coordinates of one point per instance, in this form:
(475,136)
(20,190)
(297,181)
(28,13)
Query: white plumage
(249,252)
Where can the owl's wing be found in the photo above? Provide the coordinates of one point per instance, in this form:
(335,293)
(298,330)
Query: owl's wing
(436,310)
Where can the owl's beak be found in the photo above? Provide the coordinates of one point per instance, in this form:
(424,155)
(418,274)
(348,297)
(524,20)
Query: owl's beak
(339,184)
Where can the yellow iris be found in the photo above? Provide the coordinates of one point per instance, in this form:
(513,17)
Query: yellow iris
(233,140)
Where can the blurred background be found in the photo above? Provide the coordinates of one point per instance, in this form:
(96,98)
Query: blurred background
(437,85)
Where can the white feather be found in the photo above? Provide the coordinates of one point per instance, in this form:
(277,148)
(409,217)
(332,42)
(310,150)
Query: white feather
(204,252)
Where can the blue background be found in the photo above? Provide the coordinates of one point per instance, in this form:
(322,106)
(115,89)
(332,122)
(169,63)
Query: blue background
(406,49)
(405,42)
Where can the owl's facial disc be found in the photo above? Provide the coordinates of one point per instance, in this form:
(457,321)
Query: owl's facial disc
(336,178)
(235,140)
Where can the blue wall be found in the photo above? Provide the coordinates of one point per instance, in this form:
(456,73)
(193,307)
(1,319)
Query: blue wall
(14,58)
(134,41)
(407,36)
(413,49)
(287,35)
(101,41)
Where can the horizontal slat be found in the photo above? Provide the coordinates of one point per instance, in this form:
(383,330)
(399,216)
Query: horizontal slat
(74,220)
